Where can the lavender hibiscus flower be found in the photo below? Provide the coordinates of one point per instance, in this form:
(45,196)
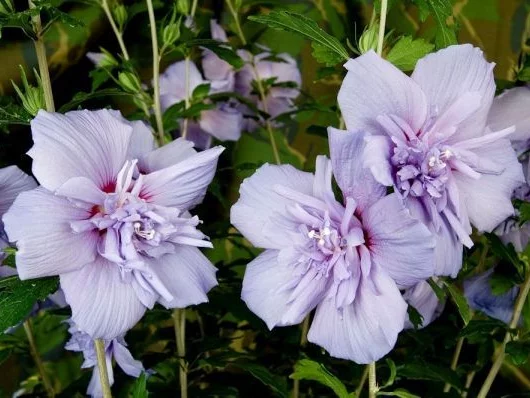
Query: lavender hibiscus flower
(429,140)
(346,258)
(282,69)
(223,122)
(111,218)
(115,348)
(512,107)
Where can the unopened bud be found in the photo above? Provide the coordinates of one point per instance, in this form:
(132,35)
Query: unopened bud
(183,6)
(368,40)
(32,97)
(171,33)
(129,82)
(104,59)
(120,15)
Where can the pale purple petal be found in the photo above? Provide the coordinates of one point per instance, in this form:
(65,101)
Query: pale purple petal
(218,71)
(173,83)
(184,184)
(512,108)
(198,136)
(488,198)
(424,300)
(449,251)
(388,91)
(142,140)
(481,298)
(277,292)
(187,274)
(398,243)
(377,158)
(448,74)
(224,123)
(166,156)
(103,305)
(90,144)
(346,151)
(365,330)
(13,181)
(125,360)
(253,214)
(39,223)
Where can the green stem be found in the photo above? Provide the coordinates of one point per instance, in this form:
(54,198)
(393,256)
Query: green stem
(382,23)
(117,32)
(519,303)
(37,359)
(179,322)
(156,74)
(454,362)
(193,8)
(261,90)
(362,381)
(303,343)
(102,367)
(44,72)
(469,380)
(372,384)
(239,31)
(187,61)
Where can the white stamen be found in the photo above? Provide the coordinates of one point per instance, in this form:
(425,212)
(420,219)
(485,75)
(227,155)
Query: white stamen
(142,233)
(311,234)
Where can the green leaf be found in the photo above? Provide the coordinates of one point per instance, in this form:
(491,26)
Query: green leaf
(429,371)
(275,383)
(221,49)
(481,327)
(401,393)
(200,92)
(508,254)
(442,10)
(440,293)
(18,297)
(327,49)
(460,302)
(393,372)
(414,316)
(518,351)
(81,97)
(407,51)
(139,389)
(305,369)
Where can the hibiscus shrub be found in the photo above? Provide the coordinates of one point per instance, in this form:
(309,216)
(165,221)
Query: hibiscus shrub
(236,198)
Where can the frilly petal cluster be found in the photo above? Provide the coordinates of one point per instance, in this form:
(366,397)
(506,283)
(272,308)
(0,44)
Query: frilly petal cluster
(428,139)
(347,258)
(111,218)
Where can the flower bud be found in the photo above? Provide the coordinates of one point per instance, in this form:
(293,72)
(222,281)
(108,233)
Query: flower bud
(171,33)
(183,6)
(120,15)
(32,97)
(129,82)
(368,40)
